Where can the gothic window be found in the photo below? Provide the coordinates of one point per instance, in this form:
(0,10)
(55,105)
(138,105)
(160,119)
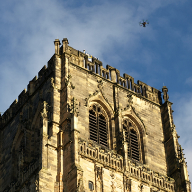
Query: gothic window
(91,187)
(98,125)
(132,139)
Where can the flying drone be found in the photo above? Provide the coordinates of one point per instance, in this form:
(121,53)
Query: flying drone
(144,23)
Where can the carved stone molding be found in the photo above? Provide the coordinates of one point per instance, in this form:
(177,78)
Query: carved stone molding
(73,106)
(68,83)
(139,119)
(44,109)
(130,102)
(52,82)
(154,190)
(104,157)
(80,187)
(140,187)
(112,182)
(96,92)
(127,184)
(98,172)
(90,95)
(99,178)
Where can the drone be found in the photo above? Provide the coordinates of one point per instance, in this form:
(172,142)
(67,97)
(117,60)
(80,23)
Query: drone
(144,23)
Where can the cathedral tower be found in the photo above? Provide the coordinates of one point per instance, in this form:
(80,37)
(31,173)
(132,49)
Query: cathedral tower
(82,127)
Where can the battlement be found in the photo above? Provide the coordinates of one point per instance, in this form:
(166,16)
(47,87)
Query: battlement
(94,127)
(33,85)
(92,65)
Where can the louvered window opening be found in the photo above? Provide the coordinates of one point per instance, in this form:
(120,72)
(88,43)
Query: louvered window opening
(92,126)
(97,126)
(132,141)
(134,145)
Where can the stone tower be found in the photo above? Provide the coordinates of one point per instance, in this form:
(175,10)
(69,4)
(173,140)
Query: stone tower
(80,127)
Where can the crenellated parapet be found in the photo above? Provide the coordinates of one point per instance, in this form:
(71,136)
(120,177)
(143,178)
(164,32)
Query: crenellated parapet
(80,126)
(25,95)
(94,65)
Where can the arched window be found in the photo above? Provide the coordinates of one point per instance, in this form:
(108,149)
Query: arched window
(98,125)
(132,139)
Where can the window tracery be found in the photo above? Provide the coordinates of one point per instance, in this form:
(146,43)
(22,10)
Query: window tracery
(98,125)
(132,139)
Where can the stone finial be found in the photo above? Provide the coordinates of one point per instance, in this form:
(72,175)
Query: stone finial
(165,95)
(57,48)
(65,44)
(44,109)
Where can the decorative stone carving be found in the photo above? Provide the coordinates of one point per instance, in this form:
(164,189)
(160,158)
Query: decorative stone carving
(112,182)
(100,86)
(99,178)
(98,171)
(44,110)
(140,187)
(37,184)
(90,95)
(68,82)
(165,95)
(80,187)
(128,184)
(139,118)
(52,82)
(154,190)
(73,107)
(105,157)
(130,102)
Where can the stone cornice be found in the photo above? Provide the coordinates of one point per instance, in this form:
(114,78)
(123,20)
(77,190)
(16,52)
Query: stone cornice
(116,84)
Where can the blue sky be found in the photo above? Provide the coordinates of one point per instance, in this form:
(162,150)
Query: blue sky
(160,54)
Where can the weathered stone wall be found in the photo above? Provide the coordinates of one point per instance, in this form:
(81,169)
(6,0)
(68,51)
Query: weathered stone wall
(88,90)
(45,138)
(27,138)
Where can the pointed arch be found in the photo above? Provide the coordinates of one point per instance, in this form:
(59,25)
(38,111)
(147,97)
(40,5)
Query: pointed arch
(130,113)
(100,120)
(103,101)
(135,133)
(98,126)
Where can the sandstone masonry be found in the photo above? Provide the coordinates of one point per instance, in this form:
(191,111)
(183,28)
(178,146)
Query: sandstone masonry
(82,127)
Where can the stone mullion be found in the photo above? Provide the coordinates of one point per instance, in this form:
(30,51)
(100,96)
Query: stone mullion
(125,146)
(98,178)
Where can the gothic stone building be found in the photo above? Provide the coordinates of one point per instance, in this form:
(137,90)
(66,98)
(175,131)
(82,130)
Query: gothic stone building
(80,127)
